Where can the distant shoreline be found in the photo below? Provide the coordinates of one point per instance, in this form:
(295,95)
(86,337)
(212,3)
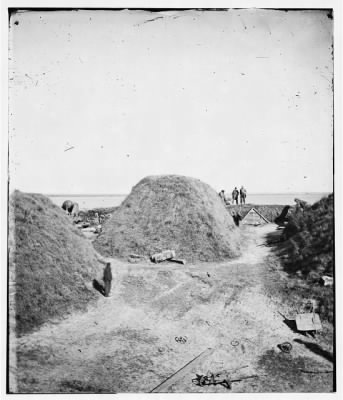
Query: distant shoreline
(90,201)
(126,194)
(85,195)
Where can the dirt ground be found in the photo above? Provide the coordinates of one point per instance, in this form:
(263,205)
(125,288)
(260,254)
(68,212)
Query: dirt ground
(126,343)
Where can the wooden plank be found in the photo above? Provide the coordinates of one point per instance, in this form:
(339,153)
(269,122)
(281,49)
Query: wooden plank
(162,387)
(258,213)
(253,217)
(164,255)
(308,322)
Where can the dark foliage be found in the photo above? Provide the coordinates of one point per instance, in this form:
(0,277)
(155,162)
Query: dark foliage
(307,244)
(310,236)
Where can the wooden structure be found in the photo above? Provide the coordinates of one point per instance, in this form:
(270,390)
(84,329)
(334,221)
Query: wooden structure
(253,217)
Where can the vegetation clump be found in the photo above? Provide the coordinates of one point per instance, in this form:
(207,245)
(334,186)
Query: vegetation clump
(310,235)
(307,244)
(171,212)
(52,264)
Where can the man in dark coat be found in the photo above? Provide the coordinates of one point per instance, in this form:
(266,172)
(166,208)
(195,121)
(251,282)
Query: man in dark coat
(235,194)
(243,194)
(107,279)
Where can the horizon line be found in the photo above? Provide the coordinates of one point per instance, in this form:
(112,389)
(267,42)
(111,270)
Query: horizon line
(126,194)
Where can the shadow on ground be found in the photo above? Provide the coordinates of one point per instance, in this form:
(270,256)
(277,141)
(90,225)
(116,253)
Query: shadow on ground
(98,286)
(284,370)
(315,348)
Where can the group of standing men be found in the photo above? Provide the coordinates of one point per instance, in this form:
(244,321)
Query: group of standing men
(242,194)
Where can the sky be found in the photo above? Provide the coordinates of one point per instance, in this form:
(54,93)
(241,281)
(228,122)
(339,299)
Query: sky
(100,99)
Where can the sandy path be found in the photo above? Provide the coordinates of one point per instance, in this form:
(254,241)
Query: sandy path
(127,342)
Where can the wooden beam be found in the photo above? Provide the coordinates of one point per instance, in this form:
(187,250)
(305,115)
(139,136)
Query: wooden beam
(164,255)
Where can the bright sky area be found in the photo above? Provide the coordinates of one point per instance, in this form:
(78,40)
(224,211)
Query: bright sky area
(101,99)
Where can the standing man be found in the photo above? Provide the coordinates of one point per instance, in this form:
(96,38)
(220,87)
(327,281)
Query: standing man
(243,194)
(107,279)
(235,194)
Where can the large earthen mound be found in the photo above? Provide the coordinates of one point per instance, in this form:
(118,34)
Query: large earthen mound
(51,264)
(171,212)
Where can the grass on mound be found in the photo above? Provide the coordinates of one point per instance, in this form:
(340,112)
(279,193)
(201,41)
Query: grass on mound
(53,263)
(171,212)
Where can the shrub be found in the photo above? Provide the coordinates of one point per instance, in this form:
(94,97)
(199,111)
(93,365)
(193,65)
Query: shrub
(310,234)
(309,240)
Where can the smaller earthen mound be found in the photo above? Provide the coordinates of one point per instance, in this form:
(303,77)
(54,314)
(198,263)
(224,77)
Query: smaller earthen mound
(171,212)
(50,262)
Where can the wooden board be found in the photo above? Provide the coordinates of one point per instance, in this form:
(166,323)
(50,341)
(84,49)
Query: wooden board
(163,256)
(253,217)
(308,322)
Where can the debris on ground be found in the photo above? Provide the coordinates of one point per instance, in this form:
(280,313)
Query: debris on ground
(163,256)
(308,322)
(181,339)
(327,280)
(307,319)
(166,255)
(285,347)
(223,378)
